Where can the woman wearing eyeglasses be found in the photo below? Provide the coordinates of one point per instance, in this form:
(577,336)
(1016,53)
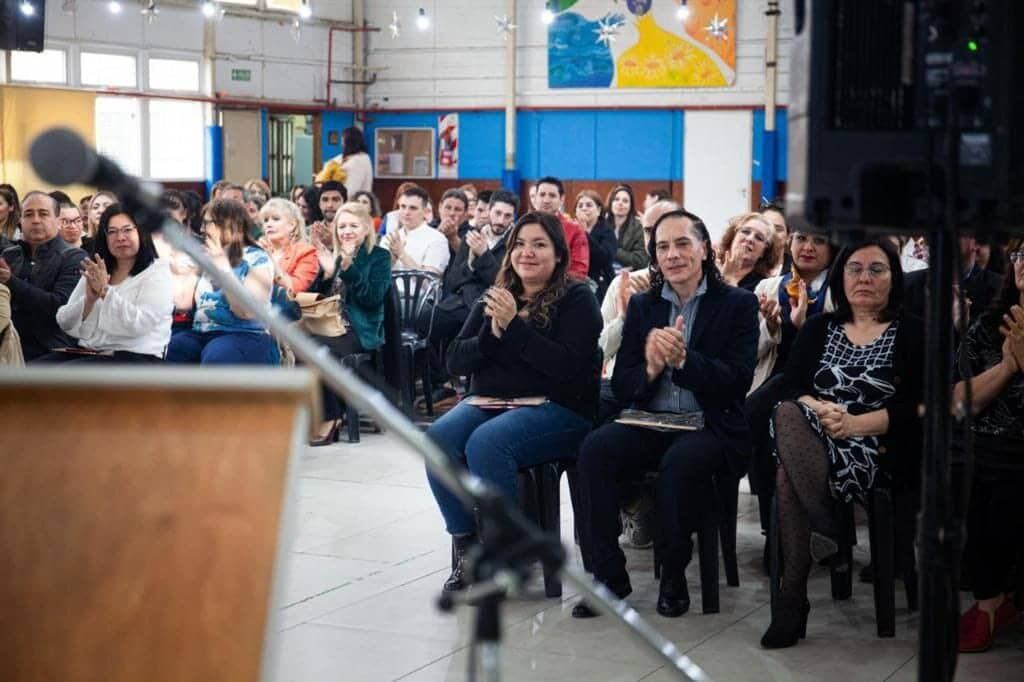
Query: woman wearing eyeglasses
(856,376)
(120,311)
(993,356)
(749,251)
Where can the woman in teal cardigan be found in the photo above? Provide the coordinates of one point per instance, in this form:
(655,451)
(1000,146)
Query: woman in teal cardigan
(352,266)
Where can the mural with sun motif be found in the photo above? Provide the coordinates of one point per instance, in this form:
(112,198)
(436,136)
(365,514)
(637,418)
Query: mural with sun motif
(642,43)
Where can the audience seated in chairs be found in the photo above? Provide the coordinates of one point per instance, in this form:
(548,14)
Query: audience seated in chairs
(10,342)
(855,379)
(223,331)
(533,334)
(620,213)
(359,273)
(471,271)
(120,311)
(786,301)
(97,205)
(413,244)
(550,198)
(600,239)
(750,251)
(992,354)
(41,271)
(294,258)
(688,345)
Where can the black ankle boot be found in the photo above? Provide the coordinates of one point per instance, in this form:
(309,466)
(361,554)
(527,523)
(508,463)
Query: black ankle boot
(673,594)
(459,578)
(788,626)
(620,588)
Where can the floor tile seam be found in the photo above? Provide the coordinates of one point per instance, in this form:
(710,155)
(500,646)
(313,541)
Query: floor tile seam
(427,665)
(373,481)
(377,631)
(901,666)
(340,558)
(314,596)
(375,595)
(373,529)
(722,630)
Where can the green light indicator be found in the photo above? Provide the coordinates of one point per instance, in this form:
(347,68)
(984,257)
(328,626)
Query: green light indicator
(972,45)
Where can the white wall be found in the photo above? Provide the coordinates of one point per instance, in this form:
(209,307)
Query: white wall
(459,61)
(283,69)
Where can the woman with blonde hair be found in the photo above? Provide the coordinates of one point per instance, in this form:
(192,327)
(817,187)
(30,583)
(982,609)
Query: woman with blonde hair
(97,205)
(294,258)
(359,272)
(749,251)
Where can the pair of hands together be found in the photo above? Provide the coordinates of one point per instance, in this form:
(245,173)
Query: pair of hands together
(665,347)
(837,421)
(500,306)
(1012,330)
(94,270)
(772,313)
(630,283)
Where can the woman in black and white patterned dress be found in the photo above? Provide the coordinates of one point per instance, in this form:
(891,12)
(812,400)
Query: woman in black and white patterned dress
(856,378)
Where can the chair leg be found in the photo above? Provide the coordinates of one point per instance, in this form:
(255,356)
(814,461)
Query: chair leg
(906,559)
(707,540)
(728,502)
(550,518)
(842,564)
(880,525)
(352,419)
(428,388)
(410,379)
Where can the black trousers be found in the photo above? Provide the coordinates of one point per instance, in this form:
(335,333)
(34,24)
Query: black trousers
(995,525)
(445,327)
(120,357)
(340,346)
(614,456)
(758,409)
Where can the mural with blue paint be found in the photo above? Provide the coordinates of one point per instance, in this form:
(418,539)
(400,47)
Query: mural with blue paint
(575,59)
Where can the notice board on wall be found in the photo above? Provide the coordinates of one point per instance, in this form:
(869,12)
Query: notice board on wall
(405,153)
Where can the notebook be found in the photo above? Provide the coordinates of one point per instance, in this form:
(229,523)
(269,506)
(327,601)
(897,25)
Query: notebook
(488,403)
(663,421)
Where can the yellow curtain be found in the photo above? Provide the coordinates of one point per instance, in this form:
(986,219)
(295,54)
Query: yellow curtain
(26,112)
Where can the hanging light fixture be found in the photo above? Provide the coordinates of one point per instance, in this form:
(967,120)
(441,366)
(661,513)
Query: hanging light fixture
(27,8)
(683,13)
(305,11)
(114,7)
(548,15)
(209,9)
(422,20)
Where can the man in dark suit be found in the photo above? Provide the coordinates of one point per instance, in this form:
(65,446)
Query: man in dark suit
(979,285)
(689,345)
(471,271)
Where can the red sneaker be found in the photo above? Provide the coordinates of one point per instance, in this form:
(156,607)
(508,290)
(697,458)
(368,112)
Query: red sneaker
(975,631)
(1006,616)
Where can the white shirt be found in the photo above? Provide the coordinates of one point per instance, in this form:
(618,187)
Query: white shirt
(358,172)
(611,334)
(425,245)
(134,316)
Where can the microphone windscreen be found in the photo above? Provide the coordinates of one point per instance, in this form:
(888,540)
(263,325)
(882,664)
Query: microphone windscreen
(61,157)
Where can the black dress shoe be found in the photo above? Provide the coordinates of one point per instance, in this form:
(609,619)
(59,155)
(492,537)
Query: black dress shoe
(620,590)
(459,577)
(673,595)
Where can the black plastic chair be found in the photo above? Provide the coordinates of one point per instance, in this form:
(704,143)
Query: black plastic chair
(416,290)
(891,525)
(719,526)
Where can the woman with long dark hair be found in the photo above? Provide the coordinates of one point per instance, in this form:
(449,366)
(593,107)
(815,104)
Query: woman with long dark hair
(992,355)
(588,212)
(122,305)
(531,337)
(223,330)
(855,377)
(620,214)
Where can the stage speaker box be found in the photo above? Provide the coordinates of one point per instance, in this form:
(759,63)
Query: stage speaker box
(21,25)
(899,108)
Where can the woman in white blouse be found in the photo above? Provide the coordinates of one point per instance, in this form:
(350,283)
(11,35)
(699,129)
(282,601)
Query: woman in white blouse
(121,309)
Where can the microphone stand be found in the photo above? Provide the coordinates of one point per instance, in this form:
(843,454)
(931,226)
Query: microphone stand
(511,543)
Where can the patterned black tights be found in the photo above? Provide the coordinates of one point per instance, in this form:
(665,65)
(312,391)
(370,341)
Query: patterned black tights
(801,494)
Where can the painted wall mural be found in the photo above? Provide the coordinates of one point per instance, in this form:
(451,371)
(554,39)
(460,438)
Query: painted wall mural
(642,43)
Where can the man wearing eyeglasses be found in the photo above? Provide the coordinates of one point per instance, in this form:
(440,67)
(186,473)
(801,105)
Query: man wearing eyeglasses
(71,225)
(41,270)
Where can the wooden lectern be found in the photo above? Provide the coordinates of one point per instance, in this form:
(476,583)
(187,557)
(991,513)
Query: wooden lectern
(143,520)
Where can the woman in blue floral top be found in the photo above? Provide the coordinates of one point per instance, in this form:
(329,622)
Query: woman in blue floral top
(223,332)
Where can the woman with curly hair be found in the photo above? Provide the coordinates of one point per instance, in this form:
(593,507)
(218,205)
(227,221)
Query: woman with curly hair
(532,335)
(750,251)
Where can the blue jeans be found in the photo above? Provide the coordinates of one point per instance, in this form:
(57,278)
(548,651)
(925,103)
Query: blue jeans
(222,348)
(495,445)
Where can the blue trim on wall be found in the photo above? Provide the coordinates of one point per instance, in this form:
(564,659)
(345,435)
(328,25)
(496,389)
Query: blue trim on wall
(335,122)
(264,143)
(781,144)
(214,156)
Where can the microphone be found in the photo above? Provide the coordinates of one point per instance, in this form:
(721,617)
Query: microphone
(61,157)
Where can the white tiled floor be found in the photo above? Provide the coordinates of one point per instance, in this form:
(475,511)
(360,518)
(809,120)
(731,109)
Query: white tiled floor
(369,555)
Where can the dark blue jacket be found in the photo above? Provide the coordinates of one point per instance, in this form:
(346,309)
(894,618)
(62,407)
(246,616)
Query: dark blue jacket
(720,360)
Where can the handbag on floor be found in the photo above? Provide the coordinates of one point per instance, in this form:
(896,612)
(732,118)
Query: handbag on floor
(320,316)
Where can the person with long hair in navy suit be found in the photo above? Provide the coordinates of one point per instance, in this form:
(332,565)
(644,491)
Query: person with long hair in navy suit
(689,345)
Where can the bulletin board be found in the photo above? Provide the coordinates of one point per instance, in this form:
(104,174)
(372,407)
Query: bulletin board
(405,153)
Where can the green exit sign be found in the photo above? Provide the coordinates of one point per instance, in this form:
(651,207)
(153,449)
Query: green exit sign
(241,74)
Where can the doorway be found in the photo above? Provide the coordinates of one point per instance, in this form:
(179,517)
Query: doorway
(290,157)
(717,162)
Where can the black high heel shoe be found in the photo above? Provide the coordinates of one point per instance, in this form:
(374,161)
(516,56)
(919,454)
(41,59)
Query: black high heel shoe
(788,626)
(331,437)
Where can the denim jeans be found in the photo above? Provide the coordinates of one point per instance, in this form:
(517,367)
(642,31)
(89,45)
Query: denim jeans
(222,348)
(495,445)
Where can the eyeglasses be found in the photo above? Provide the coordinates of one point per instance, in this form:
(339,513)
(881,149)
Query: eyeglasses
(71,221)
(122,232)
(875,270)
(1017,257)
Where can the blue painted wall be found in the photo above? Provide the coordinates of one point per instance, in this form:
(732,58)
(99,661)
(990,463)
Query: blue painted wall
(781,144)
(335,121)
(635,145)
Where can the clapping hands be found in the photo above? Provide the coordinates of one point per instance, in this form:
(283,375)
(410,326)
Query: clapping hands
(666,347)
(500,306)
(1012,330)
(94,270)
